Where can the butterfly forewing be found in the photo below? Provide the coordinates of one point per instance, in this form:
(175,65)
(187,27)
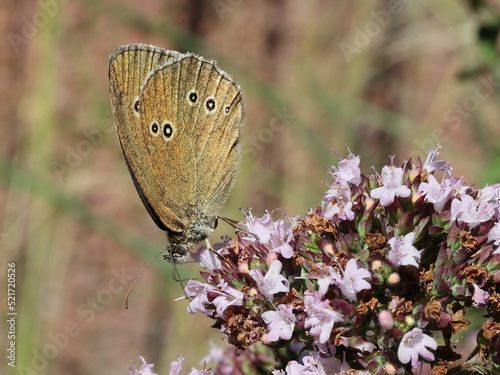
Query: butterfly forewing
(130,67)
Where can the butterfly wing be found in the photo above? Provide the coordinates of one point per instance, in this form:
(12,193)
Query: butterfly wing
(218,144)
(192,116)
(129,68)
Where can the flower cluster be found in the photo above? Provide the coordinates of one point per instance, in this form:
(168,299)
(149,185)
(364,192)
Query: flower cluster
(256,359)
(374,280)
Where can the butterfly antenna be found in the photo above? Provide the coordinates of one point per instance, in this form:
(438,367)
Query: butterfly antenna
(138,277)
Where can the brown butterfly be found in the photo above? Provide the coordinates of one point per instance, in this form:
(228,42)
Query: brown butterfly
(178,118)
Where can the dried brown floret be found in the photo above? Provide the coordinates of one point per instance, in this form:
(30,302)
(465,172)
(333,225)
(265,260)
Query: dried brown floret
(336,336)
(494,304)
(432,310)
(427,278)
(491,329)
(468,241)
(365,307)
(458,322)
(317,224)
(243,330)
(475,274)
(439,370)
(291,298)
(375,241)
(399,306)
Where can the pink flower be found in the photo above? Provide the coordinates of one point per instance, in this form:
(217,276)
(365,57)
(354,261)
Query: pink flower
(414,344)
(435,192)
(458,188)
(200,372)
(480,297)
(430,165)
(281,236)
(494,235)
(326,277)
(471,211)
(176,369)
(227,297)
(145,369)
(216,355)
(261,228)
(207,258)
(339,203)
(359,344)
(275,234)
(348,171)
(273,282)
(392,180)
(491,194)
(315,364)
(320,317)
(402,252)
(198,291)
(176,366)
(280,324)
(352,280)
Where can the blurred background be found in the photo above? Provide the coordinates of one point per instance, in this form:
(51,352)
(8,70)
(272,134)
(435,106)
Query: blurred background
(382,77)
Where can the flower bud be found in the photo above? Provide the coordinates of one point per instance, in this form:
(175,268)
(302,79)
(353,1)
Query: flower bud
(415,197)
(410,320)
(369,203)
(386,320)
(390,369)
(327,248)
(414,174)
(253,292)
(243,268)
(376,264)
(394,279)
